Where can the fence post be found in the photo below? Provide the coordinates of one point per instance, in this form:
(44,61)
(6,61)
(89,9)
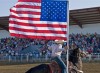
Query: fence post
(27,57)
(98,56)
(9,58)
(90,57)
(21,57)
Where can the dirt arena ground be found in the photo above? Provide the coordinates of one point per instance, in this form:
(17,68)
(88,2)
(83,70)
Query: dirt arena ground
(22,68)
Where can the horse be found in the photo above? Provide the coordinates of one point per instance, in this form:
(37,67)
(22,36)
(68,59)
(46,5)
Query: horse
(53,67)
(75,59)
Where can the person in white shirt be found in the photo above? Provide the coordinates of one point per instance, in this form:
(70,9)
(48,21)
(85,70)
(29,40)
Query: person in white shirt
(57,49)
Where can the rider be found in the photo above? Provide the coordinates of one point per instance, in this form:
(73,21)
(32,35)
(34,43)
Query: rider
(57,49)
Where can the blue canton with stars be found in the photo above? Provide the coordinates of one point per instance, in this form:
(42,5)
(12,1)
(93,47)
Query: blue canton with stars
(54,10)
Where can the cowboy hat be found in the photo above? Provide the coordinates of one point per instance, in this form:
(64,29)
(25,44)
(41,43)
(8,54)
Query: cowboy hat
(59,41)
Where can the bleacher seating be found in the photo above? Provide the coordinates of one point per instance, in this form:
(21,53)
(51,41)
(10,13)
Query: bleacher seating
(17,46)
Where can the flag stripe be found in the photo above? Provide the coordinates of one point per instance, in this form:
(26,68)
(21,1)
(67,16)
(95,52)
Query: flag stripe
(25,15)
(38,34)
(39,37)
(37,31)
(38,25)
(37,22)
(25,12)
(29,1)
(26,9)
(28,6)
(25,18)
(39,28)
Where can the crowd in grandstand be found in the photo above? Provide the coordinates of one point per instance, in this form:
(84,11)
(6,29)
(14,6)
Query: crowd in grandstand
(87,42)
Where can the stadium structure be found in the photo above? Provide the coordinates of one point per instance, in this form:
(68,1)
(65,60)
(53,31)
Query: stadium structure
(84,21)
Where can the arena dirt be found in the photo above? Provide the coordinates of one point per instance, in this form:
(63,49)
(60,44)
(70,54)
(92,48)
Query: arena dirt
(87,68)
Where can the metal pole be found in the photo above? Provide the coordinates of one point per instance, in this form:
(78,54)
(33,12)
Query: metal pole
(67,33)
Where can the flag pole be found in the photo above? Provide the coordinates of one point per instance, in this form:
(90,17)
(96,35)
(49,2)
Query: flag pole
(67,33)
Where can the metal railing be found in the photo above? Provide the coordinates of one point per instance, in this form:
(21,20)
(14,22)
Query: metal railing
(34,58)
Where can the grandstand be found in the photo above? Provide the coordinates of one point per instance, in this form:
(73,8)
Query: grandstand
(82,21)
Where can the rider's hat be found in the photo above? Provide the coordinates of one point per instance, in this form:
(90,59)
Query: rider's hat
(59,41)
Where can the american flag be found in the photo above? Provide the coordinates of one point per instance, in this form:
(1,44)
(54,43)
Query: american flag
(39,19)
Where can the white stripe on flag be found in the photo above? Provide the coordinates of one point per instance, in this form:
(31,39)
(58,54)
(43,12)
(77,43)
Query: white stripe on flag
(25,15)
(26,9)
(29,3)
(37,28)
(38,22)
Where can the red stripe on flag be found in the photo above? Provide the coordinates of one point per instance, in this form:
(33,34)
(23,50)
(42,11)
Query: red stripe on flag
(39,37)
(25,12)
(25,18)
(28,6)
(38,25)
(38,31)
(29,1)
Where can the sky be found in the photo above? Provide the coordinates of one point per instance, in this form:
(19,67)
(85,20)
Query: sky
(5,5)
